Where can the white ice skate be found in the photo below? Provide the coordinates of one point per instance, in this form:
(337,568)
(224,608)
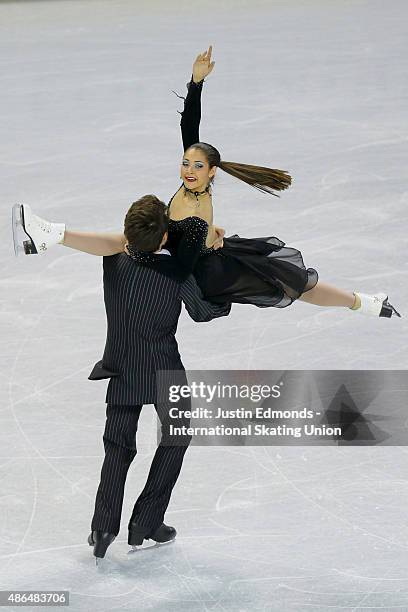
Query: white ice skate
(33,235)
(376,305)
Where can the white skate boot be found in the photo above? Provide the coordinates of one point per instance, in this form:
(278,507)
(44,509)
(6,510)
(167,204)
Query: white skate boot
(376,305)
(33,235)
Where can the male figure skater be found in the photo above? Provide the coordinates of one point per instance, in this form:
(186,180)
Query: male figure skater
(143,290)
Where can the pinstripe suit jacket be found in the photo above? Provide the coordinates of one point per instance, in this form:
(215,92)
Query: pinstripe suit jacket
(143,304)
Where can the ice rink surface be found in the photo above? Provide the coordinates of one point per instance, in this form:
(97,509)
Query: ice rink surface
(89,124)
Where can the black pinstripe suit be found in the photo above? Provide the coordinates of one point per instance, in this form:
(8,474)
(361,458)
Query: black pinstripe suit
(143,304)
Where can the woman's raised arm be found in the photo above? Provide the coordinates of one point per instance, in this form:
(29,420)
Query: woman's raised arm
(191,115)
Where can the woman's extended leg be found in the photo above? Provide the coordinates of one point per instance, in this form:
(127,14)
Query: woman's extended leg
(94,243)
(324,294)
(34,235)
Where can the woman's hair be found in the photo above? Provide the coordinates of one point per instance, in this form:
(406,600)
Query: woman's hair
(145,223)
(263,179)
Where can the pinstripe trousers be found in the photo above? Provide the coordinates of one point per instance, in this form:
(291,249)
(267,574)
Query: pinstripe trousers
(119,440)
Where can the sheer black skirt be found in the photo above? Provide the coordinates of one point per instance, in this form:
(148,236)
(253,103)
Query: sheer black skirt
(259,271)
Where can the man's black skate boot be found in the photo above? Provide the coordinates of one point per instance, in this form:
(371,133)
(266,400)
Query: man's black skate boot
(138,533)
(100,540)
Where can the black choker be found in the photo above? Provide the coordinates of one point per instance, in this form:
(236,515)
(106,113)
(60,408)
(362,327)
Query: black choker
(196,193)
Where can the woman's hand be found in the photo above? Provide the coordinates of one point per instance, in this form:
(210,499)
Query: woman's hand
(218,244)
(219,233)
(202,65)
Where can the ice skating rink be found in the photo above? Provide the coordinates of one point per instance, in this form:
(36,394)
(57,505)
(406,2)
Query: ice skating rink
(89,124)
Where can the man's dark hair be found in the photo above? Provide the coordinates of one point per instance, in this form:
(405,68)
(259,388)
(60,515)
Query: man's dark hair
(145,223)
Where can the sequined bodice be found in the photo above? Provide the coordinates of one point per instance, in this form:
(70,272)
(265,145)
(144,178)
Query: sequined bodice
(177,229)
(191,230)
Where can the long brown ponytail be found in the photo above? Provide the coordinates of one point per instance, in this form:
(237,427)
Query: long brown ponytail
(259,177)
(264,179)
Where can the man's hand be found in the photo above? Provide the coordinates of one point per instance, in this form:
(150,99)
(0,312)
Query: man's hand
(202,65)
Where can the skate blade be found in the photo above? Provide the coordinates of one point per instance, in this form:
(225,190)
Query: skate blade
(393,310)
(163,543)
(388,310)
(136,547)
(22,241)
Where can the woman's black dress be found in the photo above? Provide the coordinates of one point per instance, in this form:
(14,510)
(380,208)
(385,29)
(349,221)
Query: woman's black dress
(259,271)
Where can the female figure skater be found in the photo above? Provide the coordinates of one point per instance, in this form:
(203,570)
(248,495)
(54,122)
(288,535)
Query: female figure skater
(259,271)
